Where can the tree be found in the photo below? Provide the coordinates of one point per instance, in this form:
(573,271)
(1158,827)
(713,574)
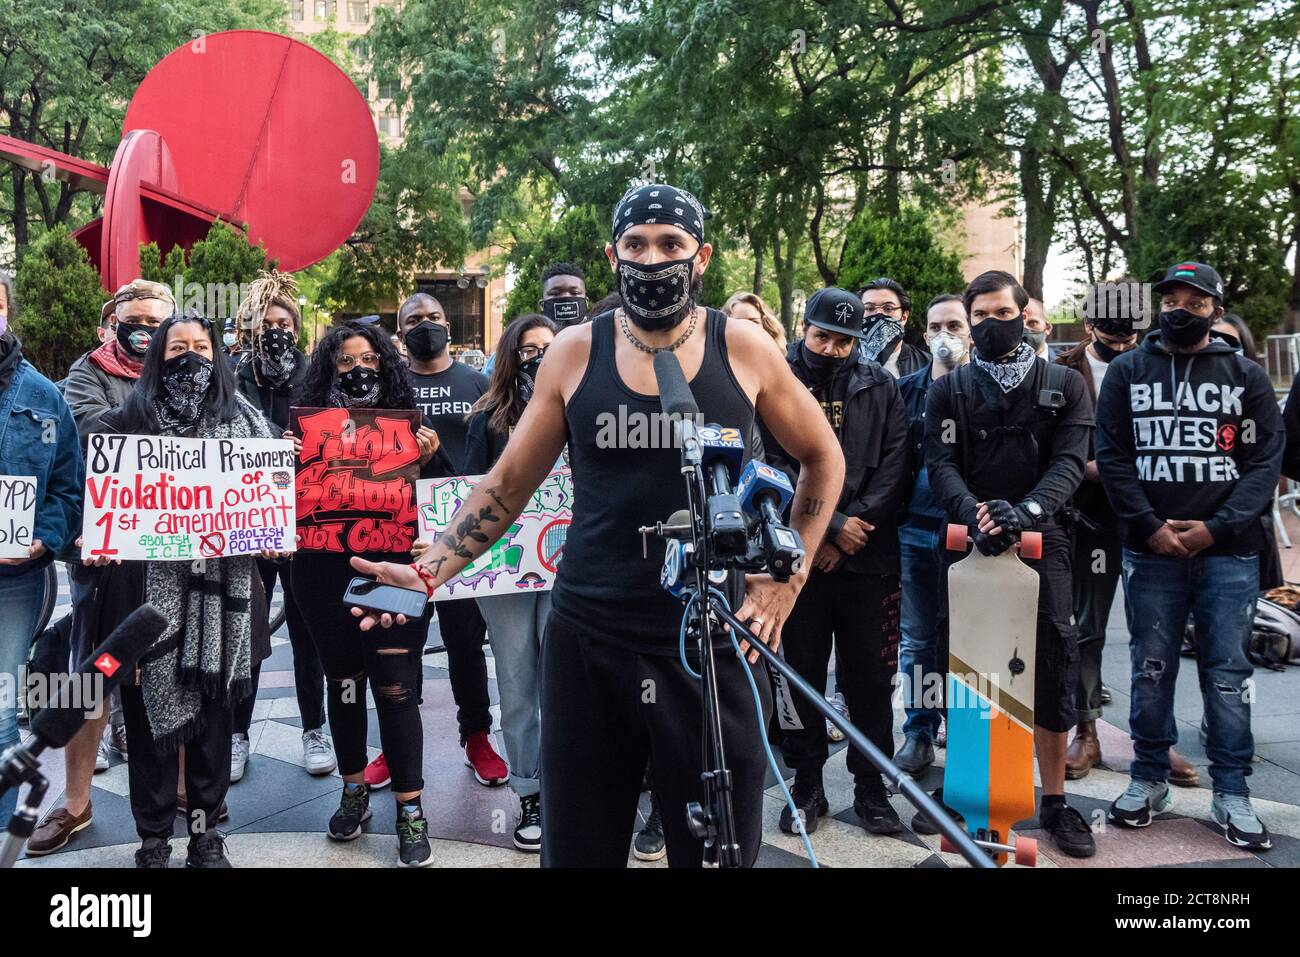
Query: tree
(902,248)
(577,237)
(212,278)
(59,295)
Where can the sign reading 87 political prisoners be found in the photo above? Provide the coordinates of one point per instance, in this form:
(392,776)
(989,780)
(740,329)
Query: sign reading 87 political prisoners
(525,558)
(159,498)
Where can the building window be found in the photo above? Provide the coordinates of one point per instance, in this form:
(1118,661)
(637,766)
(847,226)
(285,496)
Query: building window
(390,123)
(296,11)
(359,48)
(325,9)
(464,311)
(358,11)
(389,90)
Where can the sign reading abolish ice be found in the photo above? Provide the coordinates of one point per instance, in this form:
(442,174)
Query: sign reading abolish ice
(158,498)
(526,556)
(17,515)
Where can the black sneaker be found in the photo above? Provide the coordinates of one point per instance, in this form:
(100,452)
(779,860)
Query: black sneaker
(528,833)
(921,822)
(1068,830)
(207,850)
(916,754)
(154,852)
(354,810)
(412,837)
(874,811)
(810,801)
(648,845)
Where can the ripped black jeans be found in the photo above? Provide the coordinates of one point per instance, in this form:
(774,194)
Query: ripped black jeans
(389,659)
(1219,591)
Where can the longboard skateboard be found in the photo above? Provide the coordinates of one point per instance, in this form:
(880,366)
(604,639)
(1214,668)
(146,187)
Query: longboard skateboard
(992,616)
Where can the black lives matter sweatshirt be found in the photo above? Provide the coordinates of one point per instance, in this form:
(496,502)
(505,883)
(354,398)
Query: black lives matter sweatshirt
(1194,436)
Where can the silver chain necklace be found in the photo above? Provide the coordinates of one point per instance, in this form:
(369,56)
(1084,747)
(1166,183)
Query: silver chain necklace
(672,347)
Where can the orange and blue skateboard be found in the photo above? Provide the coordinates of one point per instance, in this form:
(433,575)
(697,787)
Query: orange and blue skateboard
(992,615)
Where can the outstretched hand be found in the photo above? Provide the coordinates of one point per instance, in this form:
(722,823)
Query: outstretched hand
(390,573)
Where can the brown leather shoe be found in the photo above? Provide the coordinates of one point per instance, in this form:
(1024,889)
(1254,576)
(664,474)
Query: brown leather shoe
(56,830)
(1182,773)
(1084,751)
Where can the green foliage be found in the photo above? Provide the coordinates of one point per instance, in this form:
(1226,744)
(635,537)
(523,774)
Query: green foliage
(904,249)
(578,237)
(209,278)
(58,296)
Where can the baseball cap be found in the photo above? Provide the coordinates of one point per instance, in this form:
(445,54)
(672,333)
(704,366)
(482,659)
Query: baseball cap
(1197,275)
(137,289)
(366,320)
(835,310)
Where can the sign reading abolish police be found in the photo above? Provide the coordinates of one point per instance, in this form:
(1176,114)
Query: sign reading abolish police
(17,515)
(158,498)
(525,558)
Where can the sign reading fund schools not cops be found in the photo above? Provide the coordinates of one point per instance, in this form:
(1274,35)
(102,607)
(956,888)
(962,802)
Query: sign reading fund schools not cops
(524,559)
(158,498)
(17,515)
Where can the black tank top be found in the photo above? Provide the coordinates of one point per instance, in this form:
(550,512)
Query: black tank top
(603,585)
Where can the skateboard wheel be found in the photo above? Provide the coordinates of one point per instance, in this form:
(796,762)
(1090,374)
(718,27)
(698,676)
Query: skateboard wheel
(945,845)
(956,537)
(1026,852)
(1031,544)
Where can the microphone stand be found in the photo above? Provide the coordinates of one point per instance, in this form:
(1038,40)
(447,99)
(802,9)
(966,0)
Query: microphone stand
(19,765)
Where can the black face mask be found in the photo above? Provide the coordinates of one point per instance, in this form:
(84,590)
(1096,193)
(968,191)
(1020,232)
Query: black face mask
(527,377)
(822,368)
(185,381)
(359,384)
(1182,328)
(994,338)
(1104,352)
(882,334)
(656,297)
(427,341)
(565,311)
(276,343)
(135,337)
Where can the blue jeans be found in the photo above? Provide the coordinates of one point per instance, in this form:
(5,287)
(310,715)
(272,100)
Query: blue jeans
(1220,592)
(20,598)
(515,625)
(922,557)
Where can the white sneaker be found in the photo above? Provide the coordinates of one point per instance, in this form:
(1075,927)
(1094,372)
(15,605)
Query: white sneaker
(836,701)
(317,752)
(238,756)
(101,758)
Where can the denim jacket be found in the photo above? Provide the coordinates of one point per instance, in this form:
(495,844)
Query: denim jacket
(39,438)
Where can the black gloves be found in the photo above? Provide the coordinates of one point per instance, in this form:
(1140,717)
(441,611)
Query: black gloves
(993,544)
(1004,515)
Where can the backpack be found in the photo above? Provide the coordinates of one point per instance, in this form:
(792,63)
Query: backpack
(1275,634)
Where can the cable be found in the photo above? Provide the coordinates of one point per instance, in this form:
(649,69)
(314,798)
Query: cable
(796,817)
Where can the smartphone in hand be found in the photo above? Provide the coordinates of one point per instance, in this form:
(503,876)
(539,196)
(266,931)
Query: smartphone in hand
(377,597)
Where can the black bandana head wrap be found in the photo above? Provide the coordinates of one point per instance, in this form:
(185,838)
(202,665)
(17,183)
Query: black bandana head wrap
(659,203)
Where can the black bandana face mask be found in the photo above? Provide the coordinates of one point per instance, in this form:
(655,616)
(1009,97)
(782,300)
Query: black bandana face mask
(427,341)
(186,379)
(526,378)
(656,297)
(822,368)
(565,311)
(356,388)
(882,334)
(276,343)
(135,337)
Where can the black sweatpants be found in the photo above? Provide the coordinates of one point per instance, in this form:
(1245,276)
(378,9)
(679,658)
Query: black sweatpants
(389,658)
(152,771)
(1098,561)
(859,614)
(606,709)
(463,630)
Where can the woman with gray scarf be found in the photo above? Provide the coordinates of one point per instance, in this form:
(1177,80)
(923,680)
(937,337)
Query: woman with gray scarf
(190,680)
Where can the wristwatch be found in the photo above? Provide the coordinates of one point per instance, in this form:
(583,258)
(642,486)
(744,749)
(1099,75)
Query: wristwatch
(1034,509)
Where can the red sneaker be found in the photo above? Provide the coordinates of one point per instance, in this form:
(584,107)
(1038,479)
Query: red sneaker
(488,767)
(377,773)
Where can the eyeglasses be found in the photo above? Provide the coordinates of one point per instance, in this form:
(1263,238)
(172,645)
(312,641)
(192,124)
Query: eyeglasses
(347,361)
(529,353)
(889,309)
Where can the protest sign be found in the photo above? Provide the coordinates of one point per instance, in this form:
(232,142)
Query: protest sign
(161,498)
(17,515)
(356,479)
(525,558)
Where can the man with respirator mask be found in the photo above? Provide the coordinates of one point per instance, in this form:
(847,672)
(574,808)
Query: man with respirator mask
(947,334)
(1006,441)
(614,691)
(886,308)
(1189,444)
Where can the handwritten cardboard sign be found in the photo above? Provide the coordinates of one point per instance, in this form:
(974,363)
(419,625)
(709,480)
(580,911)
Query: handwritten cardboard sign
(525,558)
(159,498)
(17,515)
(356,479)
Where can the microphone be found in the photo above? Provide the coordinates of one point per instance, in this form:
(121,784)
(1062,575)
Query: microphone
(722,453)
(103,670)
(676,400)
(766,491)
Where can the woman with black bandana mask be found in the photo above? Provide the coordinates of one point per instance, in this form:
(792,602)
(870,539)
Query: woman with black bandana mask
(1006,440)
(514,622)
(186,389)
(355,366)
(270,368)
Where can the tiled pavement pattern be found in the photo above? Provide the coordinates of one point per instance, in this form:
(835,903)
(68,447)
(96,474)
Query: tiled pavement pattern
(278,811)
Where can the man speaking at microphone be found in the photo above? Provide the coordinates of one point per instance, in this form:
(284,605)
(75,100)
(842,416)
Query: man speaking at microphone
(614,691)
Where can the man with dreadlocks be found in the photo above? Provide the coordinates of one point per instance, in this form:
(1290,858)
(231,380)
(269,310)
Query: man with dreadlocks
(269,368)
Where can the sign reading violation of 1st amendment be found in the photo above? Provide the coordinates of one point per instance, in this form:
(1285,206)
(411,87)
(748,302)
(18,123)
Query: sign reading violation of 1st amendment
(158,498)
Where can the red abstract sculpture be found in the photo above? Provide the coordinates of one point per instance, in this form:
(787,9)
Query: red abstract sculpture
(254,128)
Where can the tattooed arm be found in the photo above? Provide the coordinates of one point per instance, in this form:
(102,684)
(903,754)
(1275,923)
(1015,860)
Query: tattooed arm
(496,501)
